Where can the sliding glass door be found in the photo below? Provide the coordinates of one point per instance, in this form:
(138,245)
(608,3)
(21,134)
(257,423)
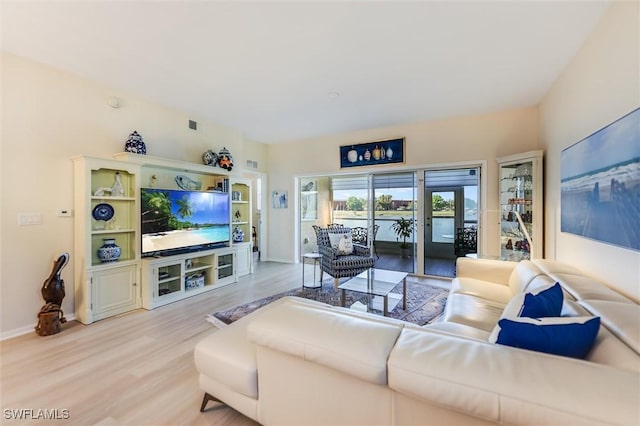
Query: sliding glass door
(394,219)
(378,202)
(351,204)
(411,218)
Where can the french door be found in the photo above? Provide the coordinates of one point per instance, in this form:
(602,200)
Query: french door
(450,203)
(442,218)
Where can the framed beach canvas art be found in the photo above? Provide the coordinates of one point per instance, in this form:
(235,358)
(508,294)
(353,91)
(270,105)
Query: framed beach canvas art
(600,184)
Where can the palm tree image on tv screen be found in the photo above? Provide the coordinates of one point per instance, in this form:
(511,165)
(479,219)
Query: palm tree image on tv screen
(173,220)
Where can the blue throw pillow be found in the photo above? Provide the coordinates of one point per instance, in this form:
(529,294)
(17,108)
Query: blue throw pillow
(565,336)
(547,303)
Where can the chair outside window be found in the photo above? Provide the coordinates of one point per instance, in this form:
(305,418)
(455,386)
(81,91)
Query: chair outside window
(466,241)
(360,235)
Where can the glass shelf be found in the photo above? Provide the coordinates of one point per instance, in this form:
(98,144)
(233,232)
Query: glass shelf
(520,204)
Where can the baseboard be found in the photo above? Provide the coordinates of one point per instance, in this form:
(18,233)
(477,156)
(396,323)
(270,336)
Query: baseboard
(26,329)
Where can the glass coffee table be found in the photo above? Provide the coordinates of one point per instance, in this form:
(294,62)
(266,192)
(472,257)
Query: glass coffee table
(377,282)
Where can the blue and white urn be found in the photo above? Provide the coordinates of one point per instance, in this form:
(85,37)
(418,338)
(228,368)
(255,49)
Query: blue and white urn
(238,235)
(109,251)
(135,144)
(210,158)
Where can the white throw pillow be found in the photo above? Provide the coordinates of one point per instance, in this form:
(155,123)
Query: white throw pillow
(342,242)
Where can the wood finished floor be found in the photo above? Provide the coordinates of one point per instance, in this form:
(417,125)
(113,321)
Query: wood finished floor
(133,369)
(433,266)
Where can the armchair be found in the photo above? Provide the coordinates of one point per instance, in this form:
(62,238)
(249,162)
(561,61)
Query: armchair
(466,241)
(340,266)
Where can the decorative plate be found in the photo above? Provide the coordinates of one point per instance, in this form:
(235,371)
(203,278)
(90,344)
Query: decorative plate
(187,183)
(103,211)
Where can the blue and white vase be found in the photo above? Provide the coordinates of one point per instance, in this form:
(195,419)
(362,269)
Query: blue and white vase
(238,235)
(210,158)
(135,144)
(109,251)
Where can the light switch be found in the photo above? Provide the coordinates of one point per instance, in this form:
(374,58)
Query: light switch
(29,219)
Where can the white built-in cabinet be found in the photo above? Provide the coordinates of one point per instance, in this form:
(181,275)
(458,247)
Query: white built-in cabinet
(521,198)
(244,258)
(242,219)
(171,278)
(107,288)
(114,290)
(104,289)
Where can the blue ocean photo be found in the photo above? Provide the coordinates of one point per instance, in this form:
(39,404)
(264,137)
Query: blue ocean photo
(600,184)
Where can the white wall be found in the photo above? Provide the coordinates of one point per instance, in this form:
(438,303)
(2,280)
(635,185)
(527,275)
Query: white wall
(477,138)
(48,116)
(600,85)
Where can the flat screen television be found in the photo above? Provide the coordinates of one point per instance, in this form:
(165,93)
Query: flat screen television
(174,221)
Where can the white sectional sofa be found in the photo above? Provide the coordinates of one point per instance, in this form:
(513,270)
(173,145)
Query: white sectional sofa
(300,362)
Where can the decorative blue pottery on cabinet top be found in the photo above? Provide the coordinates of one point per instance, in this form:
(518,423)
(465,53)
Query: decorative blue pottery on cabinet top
(135,144)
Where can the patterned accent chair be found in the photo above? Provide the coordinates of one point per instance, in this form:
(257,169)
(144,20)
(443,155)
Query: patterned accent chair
(341,266)
(335,227)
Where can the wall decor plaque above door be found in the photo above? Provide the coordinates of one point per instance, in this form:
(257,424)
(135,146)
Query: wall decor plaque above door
(372,153)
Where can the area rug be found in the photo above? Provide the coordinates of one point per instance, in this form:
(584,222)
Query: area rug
(425,303)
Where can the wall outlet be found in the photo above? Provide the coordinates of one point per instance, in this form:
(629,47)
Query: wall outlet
(64,213)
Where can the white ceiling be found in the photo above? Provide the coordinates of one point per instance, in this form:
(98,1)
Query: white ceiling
(268,69)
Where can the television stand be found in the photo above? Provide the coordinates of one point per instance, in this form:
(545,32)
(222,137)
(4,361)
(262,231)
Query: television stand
(171,278)
(105,287)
